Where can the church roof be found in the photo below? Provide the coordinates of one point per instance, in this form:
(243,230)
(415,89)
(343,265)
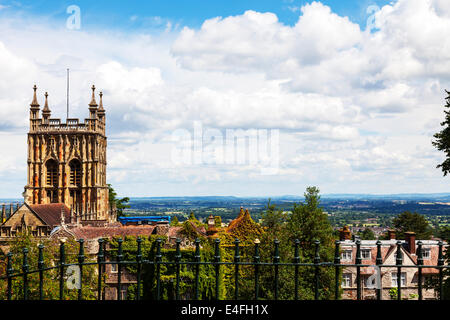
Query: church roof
(51,213)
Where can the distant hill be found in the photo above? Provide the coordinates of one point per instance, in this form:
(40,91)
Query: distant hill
(331,196)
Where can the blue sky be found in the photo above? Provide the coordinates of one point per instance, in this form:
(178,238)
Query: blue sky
(117,14)
(353,98)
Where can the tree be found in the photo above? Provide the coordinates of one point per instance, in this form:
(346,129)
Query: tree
(273,219)
(306,223)
(174,222)
(120,203)
(367,234)
(218,221)
(414,222)
(192,216)
(442,142)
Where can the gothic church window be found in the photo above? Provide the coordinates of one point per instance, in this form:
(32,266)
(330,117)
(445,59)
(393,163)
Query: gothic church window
(52,173)
(75,173)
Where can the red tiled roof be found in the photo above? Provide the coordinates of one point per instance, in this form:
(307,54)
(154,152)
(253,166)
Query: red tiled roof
(174,231)
(51,213)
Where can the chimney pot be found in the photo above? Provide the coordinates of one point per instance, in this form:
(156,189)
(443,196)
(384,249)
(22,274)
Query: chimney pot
(410,238)
(345,234)
(391,234)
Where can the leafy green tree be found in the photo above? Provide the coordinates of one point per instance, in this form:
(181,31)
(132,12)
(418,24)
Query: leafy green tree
(367,234)
(414,222)
(306,223)
(120,203)
(274,220)
(174,222)
(442,142)
(218,221)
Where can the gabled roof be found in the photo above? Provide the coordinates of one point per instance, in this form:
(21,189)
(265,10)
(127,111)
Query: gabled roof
(29,208)
(51,213)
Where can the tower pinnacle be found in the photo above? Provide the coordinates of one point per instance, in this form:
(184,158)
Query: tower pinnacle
(93,103)
(34,103)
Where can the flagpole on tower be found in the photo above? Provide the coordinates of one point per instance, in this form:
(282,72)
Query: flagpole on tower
(67,94)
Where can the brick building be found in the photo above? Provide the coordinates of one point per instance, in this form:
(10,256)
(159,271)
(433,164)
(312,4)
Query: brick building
(409,276)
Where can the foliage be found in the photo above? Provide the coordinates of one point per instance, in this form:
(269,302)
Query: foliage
(207,283)
(120,203)
(189,230)
(50,277)
(367,234)
(306,223)
(393,293)
(442,142)
(218,221)
(174,222)
(414,222)
(273,219)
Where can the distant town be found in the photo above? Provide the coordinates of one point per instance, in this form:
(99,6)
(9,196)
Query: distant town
(357,211)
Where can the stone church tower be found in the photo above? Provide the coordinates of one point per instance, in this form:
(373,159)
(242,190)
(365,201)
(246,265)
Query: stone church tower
(67,161)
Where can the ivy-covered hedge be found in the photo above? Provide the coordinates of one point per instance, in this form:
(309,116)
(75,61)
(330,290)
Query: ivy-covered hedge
(207,281)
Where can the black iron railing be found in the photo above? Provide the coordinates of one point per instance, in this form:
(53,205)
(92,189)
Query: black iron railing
(256,262)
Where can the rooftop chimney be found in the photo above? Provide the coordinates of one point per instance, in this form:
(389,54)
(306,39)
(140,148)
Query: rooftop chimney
(391,234)
(410,238)
(344,234)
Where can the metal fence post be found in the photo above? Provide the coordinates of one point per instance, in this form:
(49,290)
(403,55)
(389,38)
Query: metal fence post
(139,266)
(379,262)
(296,261)
(358,269)
(41,273)
(100,259)
(441,263)
(337,262)
(236,268)
(177,264)
(316,272)
(217,261)
(276,260)
(80,265)
(197,267)
(25,269)
(119,269)
(398,262)
(62,259)
(9,271)
(419,263)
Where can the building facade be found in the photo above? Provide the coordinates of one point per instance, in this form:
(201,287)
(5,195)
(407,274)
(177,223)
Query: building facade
(388,275)
(67,161)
